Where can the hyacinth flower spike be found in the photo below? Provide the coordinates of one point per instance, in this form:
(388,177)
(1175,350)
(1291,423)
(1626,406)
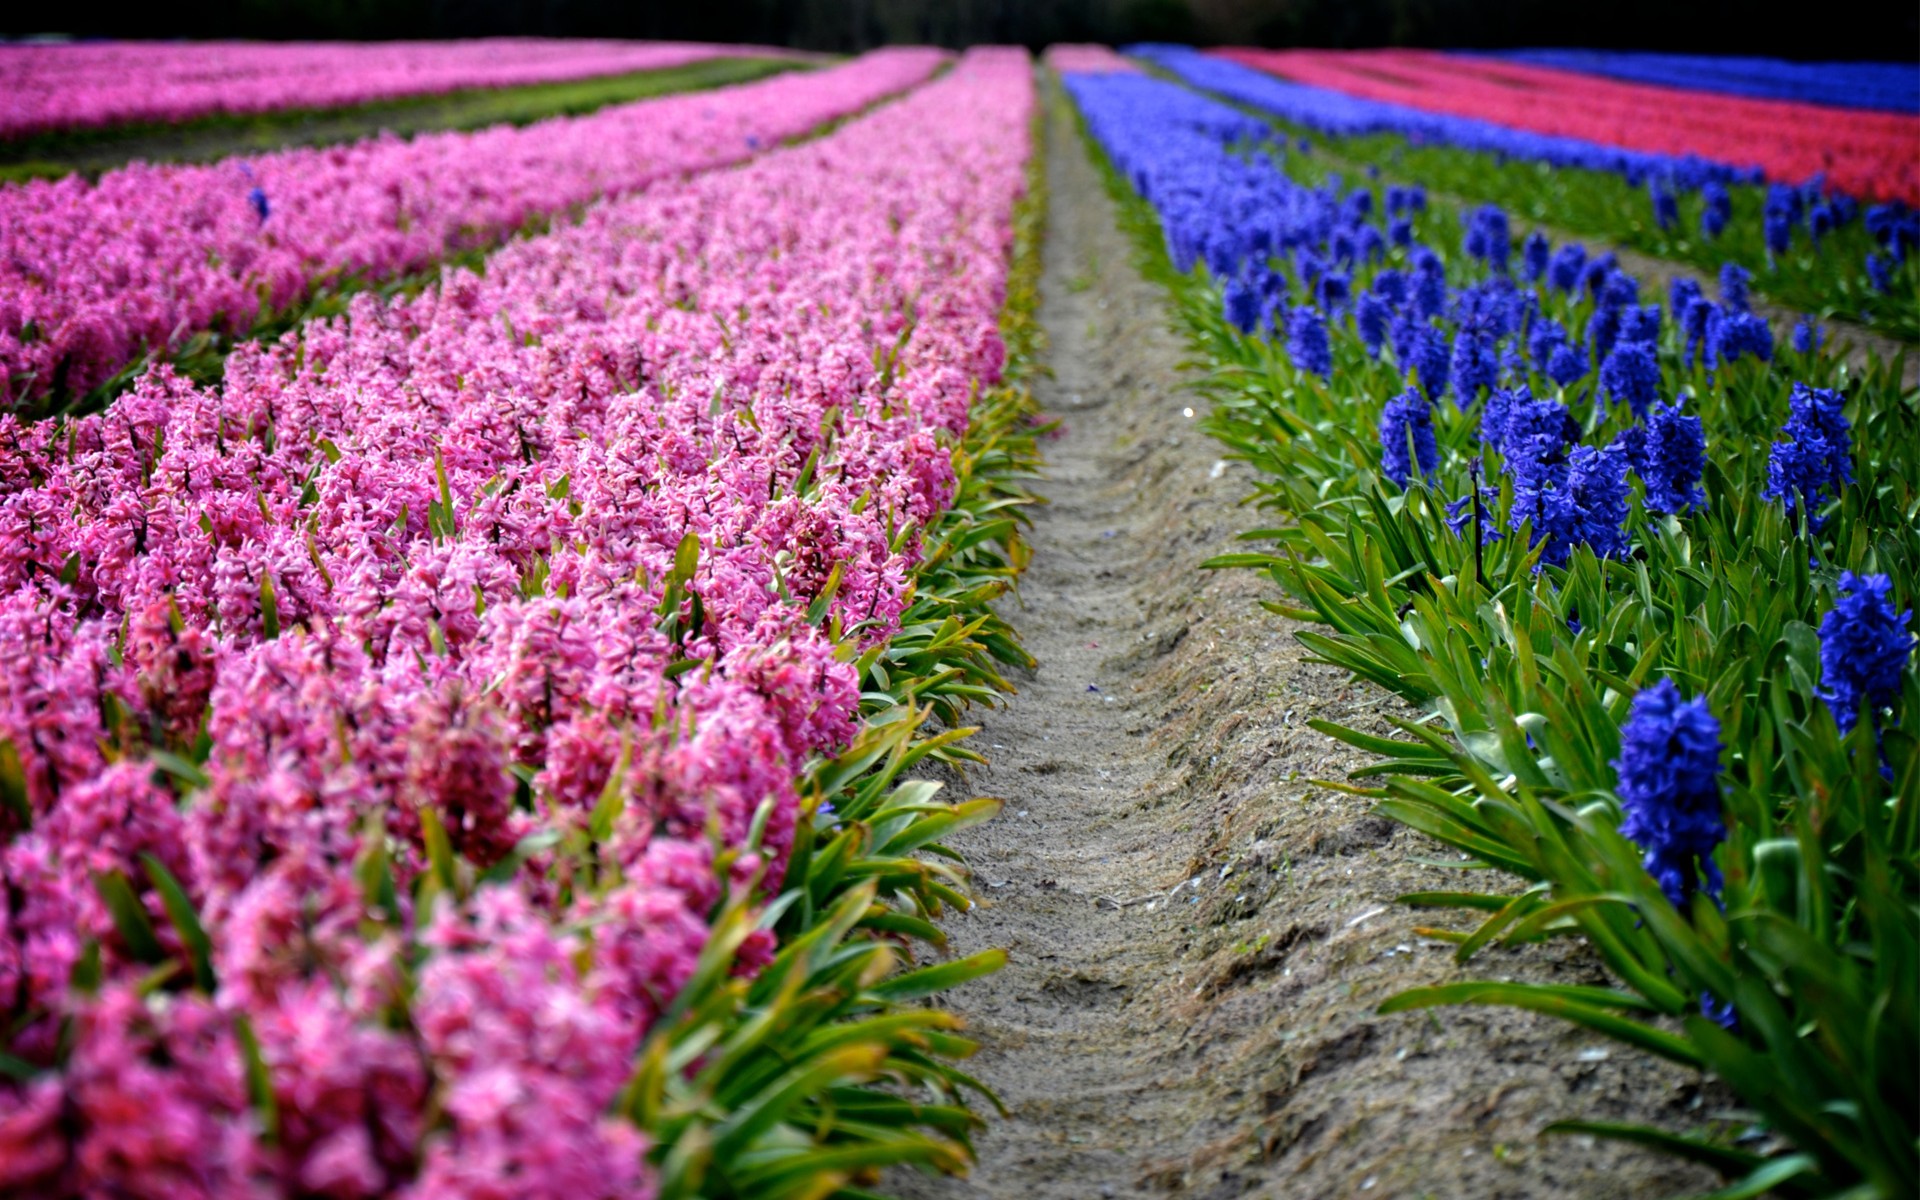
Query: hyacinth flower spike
(1669,786)
(1864,648)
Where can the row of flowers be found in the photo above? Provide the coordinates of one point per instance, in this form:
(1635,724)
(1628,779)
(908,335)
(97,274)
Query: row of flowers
(1646,575)
(1886,86)
(48,88)
(95,274)
(1872,155)
(402,733)
(1812,247)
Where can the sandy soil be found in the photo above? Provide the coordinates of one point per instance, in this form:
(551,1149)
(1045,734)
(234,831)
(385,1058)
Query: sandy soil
(1198,934)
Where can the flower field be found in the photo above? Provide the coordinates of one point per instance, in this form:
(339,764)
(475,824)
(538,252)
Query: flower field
(51,88)
(1868,154)
(495,620)
(427,713)
(1646,574)
(149,256)
(1809,245)
(1891,87)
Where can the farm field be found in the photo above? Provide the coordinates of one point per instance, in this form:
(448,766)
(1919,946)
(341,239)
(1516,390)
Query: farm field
(622,619)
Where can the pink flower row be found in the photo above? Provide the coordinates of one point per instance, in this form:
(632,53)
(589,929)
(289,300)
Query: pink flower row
(49,88)
(1074,58)
(93,274)
(414,562)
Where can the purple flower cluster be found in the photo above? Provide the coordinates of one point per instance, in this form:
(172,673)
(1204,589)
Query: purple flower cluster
(1864,648)
(1406,438)
(1816,460)
(1669,786)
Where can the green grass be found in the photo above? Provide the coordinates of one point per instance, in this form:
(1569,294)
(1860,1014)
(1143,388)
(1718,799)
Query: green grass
(95,150)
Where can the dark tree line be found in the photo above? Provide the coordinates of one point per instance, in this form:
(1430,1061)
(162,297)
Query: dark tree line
(1874,29)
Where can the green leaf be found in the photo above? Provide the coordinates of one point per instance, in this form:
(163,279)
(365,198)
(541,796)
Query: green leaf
(269,606)
(1724,1159)
(186,922)
(129,917)
(1580,1005)
(942,977)
(13,784)
(259,1082)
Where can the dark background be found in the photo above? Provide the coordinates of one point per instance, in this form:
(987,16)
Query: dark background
(1852,29)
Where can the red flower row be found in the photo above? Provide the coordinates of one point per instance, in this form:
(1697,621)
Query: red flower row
(1872,155)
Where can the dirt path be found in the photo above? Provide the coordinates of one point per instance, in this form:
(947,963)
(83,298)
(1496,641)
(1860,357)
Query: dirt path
(1197,934)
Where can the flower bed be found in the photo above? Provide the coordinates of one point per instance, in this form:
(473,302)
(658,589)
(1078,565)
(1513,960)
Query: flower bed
(90,85)
(1888,86)
(1807,246)
(413,725)
(1648,576)
(93,275)
(1084,59)
(1875,156)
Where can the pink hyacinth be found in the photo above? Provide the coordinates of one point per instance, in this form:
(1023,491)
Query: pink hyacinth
(413,560)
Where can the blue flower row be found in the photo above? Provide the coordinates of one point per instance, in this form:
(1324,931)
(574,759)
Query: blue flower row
(1298,263)
(1890,87)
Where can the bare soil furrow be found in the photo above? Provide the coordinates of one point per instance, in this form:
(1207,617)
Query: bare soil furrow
(1198,934)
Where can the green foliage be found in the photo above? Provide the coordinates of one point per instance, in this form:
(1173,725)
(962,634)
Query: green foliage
(1520,677)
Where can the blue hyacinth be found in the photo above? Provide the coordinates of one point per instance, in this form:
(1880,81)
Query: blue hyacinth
(1333,290)
(1407,422)
(1718,210)
(1880,272)
(1432,354)
(1666,206)
(1896,227)
(1429,297)
(1808,336)
(1488,238)
(1564,269)
(1681,294)
(1533,256)
(1596,508)
(1669,787)
(1370,318)
(1391,286)
(1864,647)
(1674,458)
(1631,376)
(1640,323)
(1695,321)
(1817,457)
(1568,365)
(1243,303)
(1593,276)
(1307,342)
(1733,335)
(1734,287)
(1474,364)
(1546,336)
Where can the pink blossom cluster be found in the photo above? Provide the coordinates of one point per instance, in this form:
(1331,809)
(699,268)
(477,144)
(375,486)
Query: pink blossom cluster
(1075,58)
(414,568)
(93,274)
(49,88)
